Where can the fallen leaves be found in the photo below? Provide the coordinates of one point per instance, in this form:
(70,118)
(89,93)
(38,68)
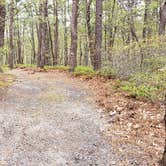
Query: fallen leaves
(138,123)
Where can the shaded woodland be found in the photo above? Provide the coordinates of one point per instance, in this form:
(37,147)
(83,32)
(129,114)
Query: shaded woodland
(125,38)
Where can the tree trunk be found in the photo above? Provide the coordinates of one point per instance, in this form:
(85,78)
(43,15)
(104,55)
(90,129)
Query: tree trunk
(45,47)
(39,36)
(47,60)
(33,44)
(163,161)
(65,37)
(112,28)
(147,30)
(42,32)
(89,29)
(73,49)
(2,27)
(56,34)
(2,21)
(51,41)
(19,47)
(86,54)
(162,19)
(98,35)
(19,55)
(80,60)
(11,33)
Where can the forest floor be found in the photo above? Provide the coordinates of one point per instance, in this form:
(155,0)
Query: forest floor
(51,118)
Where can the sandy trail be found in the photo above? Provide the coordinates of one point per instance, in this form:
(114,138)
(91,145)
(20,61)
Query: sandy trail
(47,119)
(50,119)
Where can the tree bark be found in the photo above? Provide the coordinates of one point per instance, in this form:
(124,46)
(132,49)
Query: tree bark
(51,41)
(98,35)
(163,161)
(56,34)
(162,19)
(65,37)
(147,30)
(2,21)
(112,28)
(73,49)
(33,44)
(80,60)
(89,29)
(47,60)
(86,54)
(11,33)
(19,47)
(42,32)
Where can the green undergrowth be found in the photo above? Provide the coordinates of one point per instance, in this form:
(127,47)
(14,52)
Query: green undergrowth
(84,71)
(107,73)
(146,85)
(88,72)
(61,68)
(4,68)
(150,84)
(26,65)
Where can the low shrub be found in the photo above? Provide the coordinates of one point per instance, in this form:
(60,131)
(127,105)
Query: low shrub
(84,71)
(61,68)
(107,73)
(25,65)
(146,85)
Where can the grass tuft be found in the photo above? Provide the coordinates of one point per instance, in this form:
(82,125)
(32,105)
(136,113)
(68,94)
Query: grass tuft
(84,71)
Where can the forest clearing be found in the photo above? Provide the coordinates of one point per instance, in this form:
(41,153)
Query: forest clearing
(82,82)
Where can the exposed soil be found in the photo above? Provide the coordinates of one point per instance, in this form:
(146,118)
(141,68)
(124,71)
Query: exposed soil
(50,118)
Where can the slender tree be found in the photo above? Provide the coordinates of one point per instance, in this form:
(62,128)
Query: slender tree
(65,36)
(33,59)
(2,21)
(89,29)
(98,35)
(42,32)
(147,30)
(163,161)
(11,34)
(56,33)
(2,26)
(73,49)
(162,19)
(19,46)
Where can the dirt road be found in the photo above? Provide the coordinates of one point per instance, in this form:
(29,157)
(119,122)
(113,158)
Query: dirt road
(50,119)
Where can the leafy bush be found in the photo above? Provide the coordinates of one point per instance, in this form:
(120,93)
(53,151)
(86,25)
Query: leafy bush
(61,68)
(107,72)
(148,85)
(26,65)
(134,58)
(84,71)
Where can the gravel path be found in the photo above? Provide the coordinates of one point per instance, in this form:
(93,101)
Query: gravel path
(48,120)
